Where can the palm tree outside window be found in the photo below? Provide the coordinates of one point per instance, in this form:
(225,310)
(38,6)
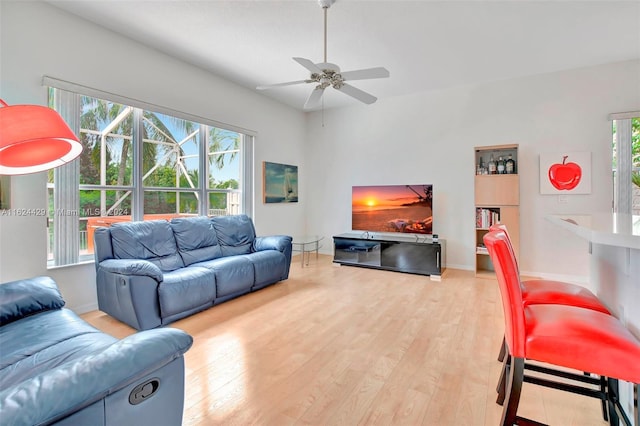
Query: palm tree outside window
(140,164)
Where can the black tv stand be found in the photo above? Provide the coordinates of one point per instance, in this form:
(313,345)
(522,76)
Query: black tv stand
(411,253)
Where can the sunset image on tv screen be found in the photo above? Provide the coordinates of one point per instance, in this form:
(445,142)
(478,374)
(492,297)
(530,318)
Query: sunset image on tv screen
(392,208)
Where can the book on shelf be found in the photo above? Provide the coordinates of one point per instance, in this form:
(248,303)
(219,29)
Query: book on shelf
(486,217)
(482,250)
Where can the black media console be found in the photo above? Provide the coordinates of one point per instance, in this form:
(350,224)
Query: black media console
(414,254)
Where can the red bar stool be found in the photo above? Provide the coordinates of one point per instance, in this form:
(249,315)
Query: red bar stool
(545,292)
(564,336)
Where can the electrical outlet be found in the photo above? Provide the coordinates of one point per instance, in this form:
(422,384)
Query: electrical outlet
(563,199)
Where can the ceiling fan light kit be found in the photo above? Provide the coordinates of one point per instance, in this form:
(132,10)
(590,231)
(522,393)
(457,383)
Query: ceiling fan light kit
(325,74)
(325,4)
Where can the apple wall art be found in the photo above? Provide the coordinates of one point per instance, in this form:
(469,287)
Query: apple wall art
(565,173)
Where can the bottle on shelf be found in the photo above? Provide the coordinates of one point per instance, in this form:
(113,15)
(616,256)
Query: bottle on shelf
(480,167)
(510,166)
(492,166)
(500,166)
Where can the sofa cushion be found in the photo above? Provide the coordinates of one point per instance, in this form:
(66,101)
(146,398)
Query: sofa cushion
(42,342)
(186,288)
(235,234)
(22,298)
(234,274)
(150,240)
(268,266)
(196,239)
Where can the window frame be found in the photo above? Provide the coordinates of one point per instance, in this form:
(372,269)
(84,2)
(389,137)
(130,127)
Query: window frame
(622,157)
(66,187)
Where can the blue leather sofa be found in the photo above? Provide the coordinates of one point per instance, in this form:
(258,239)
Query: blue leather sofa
(57,369)
(155,272)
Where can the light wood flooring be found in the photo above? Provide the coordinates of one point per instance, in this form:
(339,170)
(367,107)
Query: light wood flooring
(352,346)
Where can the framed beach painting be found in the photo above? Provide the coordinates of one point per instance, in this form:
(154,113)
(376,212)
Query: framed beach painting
(279,183)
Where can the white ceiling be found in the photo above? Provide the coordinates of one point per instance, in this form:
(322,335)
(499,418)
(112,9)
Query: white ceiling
(426,45)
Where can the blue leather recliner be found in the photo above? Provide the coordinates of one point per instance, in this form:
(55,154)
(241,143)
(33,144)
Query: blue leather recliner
(152,273)
(57,369)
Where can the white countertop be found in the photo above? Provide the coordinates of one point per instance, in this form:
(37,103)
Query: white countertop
(605,228)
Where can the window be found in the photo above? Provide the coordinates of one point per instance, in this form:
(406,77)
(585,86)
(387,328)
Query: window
(626,162)
(140,163)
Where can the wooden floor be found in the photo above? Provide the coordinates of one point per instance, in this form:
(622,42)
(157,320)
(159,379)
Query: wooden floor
(351,346)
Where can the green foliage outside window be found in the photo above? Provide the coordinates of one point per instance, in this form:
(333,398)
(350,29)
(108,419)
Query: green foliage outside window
(635,150)
(635,147)
(171,168)
(161,151)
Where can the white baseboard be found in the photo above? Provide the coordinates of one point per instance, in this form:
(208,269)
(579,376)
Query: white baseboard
(83,309)
(574,279)
(456,266)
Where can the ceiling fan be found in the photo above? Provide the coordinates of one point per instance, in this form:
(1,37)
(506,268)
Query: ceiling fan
(326,74)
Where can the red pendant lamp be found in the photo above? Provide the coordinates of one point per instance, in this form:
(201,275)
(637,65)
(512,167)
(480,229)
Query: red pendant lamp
(34,138)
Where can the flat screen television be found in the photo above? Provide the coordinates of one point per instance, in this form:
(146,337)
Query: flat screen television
(392,208)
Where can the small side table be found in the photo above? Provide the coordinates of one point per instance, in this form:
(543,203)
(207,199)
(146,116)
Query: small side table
(306,244)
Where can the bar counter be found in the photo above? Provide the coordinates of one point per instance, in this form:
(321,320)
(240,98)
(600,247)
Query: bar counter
(614,248)
(609,229)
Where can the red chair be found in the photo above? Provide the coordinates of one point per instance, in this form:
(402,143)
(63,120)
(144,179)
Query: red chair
(563,336)
(544,292)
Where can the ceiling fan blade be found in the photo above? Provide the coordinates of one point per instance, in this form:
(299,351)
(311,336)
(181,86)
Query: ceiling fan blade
(360,95)
(314,98)
(378,72)
(308,65)
(289,83)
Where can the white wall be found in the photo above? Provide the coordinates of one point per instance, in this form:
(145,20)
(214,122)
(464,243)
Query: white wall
(425,137)
(429,138)
(37,39)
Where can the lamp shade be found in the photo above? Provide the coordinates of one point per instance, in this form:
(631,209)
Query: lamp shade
(34,138)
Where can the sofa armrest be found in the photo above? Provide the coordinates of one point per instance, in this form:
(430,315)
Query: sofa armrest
(282,243)
(75,385)
(272,242)
(132,267)
(21,298)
